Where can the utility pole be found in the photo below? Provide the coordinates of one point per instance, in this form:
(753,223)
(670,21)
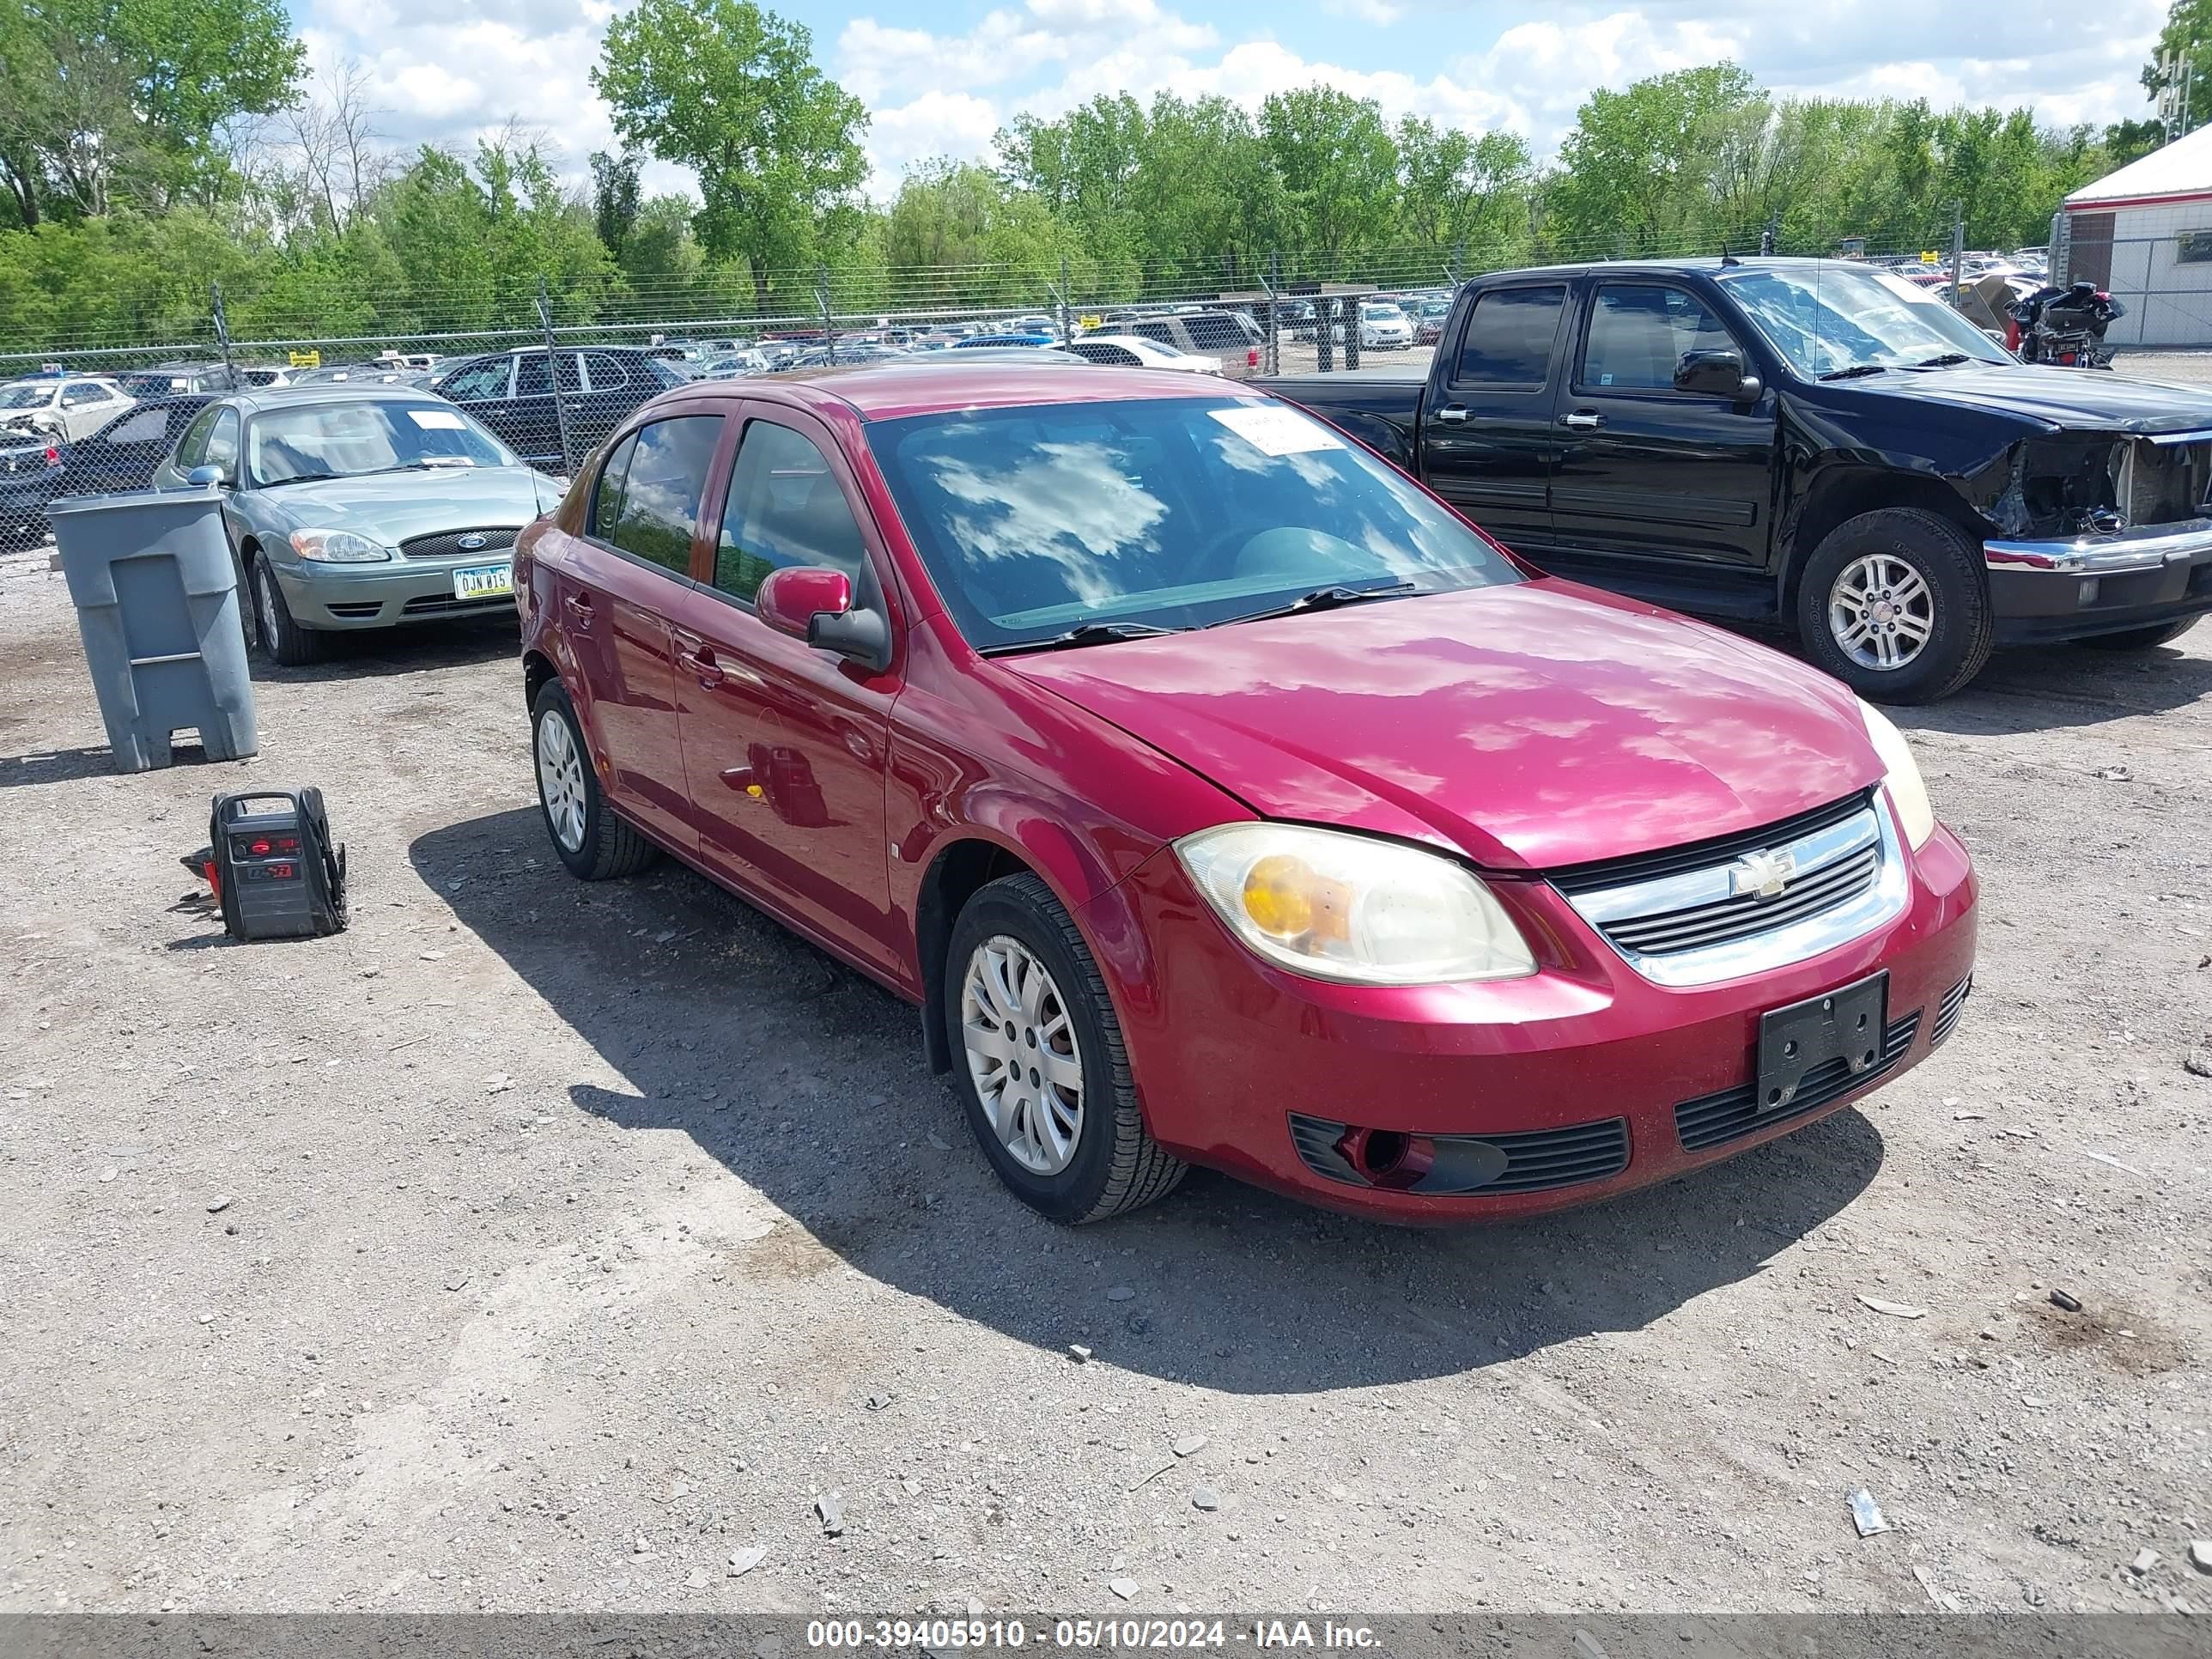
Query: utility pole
(222,332)
(553,377)
(1958,247)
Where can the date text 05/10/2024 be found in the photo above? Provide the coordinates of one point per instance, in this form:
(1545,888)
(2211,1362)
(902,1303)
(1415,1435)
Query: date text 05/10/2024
(1107,1635)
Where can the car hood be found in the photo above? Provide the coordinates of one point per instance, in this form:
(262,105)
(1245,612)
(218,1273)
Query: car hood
(1531,726)
(2064,398)
(395,506)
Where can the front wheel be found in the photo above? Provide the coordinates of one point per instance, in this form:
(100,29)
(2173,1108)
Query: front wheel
(281,640)
(591,841)
(1895,604)
(1042,1066)
(2141,638)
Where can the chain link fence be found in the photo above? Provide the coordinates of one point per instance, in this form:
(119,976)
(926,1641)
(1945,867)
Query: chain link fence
(551,373)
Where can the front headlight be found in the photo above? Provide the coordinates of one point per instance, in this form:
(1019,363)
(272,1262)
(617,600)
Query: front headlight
(337,547)
(1352,907)
(1908,795)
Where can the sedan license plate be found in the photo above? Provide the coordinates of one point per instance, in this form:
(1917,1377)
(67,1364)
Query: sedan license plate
(1845,1025)
(483,581)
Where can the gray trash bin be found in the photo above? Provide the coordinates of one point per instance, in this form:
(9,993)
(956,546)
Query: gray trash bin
(156,599)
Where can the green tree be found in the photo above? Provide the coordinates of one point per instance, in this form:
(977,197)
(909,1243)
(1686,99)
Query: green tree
(2184,54)
(1456,186)
(107,102)
(614,198)
(1336,171)
(1634,174)
(731,91)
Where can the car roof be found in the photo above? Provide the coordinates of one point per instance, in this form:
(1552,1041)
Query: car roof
(887,391)
(1713,267)
(257,400)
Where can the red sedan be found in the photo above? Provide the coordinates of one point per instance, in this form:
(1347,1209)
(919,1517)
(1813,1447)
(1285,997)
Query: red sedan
(1223,797)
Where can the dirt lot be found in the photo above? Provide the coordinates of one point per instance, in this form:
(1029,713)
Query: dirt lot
(539,1245)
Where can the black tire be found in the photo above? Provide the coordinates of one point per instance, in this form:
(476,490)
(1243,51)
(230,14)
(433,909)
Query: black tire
(608,847)
(2141,638)
(1116,1166)
(281,640)
(1944,558)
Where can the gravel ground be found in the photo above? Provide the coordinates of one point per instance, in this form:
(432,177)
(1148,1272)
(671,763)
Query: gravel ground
(534,1245)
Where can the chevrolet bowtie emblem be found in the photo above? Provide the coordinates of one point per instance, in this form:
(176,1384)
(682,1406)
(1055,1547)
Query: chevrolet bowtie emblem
(1763,872)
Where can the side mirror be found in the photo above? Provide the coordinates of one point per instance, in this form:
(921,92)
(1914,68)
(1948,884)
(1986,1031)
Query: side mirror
(815,604)
(1716,374)
(204,478)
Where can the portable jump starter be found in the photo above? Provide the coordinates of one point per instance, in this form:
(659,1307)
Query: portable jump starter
(273,866)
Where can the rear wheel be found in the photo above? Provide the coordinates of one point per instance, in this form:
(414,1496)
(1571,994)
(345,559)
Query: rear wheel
(1041,1067)
(2142,639)
(1894,604)
(592,841)
(281,640)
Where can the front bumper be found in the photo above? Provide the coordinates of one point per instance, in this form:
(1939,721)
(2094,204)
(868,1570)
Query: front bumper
(1592,1079)
(2075,588)
(356,596)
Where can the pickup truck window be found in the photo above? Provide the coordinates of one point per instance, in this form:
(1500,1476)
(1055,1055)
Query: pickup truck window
(1509,336)
(1826,318)
(1639,330)
(1174,512)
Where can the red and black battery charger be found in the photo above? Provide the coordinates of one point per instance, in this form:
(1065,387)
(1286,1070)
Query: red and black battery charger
(275,870)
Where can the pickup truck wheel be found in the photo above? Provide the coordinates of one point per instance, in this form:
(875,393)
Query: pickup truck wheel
(2142,639)
(1041,1066)
(1894,604)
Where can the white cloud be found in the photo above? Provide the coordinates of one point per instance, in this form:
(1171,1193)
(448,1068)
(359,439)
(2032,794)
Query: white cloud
(1381,14)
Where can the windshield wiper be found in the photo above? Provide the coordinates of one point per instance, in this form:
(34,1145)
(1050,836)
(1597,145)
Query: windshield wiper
(1324,599)
(1090,633)
(1854,371)
(302,477)
(1948,359)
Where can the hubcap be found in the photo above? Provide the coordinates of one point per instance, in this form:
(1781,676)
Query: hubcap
(561,780)
(265,595)
(1022,1054)
(1882,611)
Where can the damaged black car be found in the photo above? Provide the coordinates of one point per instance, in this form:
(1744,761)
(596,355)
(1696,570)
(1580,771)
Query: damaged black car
(1813,441)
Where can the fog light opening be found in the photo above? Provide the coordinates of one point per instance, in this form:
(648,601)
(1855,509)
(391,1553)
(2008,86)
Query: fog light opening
(1388,1158)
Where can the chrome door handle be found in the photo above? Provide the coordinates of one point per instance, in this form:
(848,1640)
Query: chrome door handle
(1452,414)
(1583,420)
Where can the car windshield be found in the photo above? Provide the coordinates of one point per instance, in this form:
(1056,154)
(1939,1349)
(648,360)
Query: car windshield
(345,440)
(26,397)
(1172,512)
(1826,318)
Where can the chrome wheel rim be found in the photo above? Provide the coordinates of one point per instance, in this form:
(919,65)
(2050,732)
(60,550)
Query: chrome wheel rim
(1882,611)
(561,783)
(264,606)
(1022,1055)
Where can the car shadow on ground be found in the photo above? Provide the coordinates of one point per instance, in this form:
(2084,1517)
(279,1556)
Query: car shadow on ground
(807,1081)
(372,653)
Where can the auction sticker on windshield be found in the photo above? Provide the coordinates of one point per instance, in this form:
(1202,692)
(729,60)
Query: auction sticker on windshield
(1274,430)
(483,581)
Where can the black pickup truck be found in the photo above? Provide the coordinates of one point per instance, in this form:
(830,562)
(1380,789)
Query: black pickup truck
(1812,440)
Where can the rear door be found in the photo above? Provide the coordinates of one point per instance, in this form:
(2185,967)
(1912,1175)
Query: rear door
(1487,437)
(617,587)
(537,419)
(1648,472)
(786,745)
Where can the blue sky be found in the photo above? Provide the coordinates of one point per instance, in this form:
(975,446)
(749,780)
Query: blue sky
(938,76)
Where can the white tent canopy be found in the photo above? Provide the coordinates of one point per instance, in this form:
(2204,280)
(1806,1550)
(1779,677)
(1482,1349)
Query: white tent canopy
(2184,168)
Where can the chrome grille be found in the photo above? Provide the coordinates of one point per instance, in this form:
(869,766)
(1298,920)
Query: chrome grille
(447,544)
(1744,903)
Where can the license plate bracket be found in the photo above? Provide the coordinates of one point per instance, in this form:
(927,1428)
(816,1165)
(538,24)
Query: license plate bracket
(1844,1024)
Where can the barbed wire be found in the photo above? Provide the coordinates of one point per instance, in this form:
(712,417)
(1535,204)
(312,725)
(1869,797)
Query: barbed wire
(360,310)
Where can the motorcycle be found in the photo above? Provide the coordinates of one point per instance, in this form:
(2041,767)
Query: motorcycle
(2063,325)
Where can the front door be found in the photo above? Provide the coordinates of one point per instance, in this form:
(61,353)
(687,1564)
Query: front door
(786,745)
(618,586)
(1646,472)
(1487,440)
(537,419)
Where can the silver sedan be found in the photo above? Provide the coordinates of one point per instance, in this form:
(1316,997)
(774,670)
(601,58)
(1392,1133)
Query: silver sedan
(351,508)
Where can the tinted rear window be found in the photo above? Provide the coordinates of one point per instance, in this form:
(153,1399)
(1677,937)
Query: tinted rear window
(1509,338)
